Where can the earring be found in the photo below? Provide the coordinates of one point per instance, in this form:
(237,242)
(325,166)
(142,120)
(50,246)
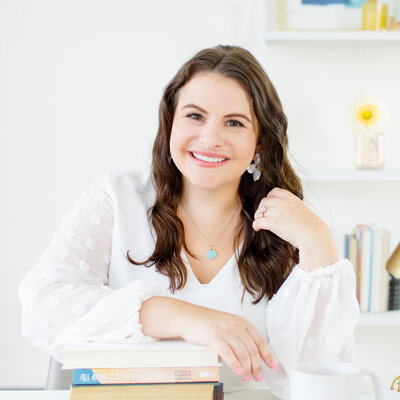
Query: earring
(170,159)
(255,168)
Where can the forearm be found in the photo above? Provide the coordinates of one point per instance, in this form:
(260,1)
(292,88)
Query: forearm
(319,253)
(163,317)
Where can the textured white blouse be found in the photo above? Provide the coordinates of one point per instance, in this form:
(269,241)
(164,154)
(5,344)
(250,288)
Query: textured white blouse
(84,288)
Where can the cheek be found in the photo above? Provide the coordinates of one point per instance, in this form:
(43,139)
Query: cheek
(181,135)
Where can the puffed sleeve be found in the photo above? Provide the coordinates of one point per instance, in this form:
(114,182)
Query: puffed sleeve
(312,317)
(66,297)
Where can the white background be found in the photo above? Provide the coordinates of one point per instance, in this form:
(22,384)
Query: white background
(80,85)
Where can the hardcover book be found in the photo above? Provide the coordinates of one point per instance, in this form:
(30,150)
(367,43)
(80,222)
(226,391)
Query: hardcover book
(161,353)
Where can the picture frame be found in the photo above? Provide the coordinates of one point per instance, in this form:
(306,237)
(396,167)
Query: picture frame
(320,14)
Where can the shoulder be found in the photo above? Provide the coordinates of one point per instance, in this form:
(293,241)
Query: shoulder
(132,180)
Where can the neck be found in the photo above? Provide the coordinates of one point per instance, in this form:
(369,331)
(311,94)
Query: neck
(216,204)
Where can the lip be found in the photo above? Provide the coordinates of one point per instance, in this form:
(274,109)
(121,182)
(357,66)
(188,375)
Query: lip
(213,155)
(206,164)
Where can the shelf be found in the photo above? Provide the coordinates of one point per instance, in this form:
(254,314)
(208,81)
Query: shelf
(389,318)
(357,35)
(350,175)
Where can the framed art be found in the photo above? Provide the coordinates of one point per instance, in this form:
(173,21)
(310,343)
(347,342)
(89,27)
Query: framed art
(320,14)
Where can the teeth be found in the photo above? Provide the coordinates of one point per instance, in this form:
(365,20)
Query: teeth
(209,159)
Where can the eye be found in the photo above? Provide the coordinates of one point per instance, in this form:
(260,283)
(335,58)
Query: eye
(236,123)
(194,116)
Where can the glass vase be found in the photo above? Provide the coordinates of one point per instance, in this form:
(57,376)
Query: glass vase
(369,151)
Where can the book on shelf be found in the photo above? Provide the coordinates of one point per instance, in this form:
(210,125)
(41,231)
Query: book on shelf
(165,391)
(163,369)
(368,250)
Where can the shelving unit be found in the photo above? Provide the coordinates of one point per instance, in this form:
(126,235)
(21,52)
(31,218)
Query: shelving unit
(344,36)
(350,175)
(267,37)
(386,319)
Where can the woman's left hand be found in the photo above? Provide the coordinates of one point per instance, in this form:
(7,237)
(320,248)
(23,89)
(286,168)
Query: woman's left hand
(289,218)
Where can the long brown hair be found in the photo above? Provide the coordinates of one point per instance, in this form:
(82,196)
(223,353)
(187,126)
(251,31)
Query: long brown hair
(265,259)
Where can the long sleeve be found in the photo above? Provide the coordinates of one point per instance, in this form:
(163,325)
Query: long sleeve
(312,317)
(66,297)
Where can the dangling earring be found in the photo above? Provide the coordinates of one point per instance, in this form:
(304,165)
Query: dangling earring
(255,168)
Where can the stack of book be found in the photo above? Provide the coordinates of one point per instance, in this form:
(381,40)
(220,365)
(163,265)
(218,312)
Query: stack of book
(368,250)
(165,369)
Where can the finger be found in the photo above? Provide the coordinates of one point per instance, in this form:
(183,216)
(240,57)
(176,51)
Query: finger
(262,223)
(268,204)
(242,355)
(254,355)
(263,349)
(226,352)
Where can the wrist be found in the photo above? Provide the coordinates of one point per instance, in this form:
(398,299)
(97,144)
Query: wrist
(161,317)
(321,253)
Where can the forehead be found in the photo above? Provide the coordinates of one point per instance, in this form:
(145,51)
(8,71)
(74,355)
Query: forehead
(213,91)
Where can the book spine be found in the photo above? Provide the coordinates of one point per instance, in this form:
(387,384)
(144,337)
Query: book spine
(109,376)
(371,267)
(219,391)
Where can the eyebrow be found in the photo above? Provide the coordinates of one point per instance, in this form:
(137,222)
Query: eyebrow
(225,116)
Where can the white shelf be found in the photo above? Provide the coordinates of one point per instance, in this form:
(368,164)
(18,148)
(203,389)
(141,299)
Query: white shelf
(350,175)
(388,319)
(357,35)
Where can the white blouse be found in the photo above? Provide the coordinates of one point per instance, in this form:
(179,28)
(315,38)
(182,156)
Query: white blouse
(84,288)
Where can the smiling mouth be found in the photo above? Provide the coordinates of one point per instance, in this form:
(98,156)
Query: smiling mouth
(208,159)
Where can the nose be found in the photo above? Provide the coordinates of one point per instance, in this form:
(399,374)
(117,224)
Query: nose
(211,135)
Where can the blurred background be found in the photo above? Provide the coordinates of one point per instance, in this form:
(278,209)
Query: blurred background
(80,85)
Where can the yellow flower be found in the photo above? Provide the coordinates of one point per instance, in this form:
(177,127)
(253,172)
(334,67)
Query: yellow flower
(368,114)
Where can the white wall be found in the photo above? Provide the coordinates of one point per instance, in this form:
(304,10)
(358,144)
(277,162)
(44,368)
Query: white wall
(80,84)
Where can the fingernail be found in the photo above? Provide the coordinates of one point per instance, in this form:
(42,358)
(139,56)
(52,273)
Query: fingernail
(274,365)
(259,377)
(247,378)
(239,371)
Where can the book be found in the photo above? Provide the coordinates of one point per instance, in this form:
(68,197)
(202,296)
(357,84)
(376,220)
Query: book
(364,234)
(368,250)
(166,391)
(385,282)
(109,376)
(380,277)
(161,353)
(351,249)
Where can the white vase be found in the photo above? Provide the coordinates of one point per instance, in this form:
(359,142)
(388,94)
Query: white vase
(369,150)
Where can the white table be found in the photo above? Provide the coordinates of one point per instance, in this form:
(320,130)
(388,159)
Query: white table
(64,395)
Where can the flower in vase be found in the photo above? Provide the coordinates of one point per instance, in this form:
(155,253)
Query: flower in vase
(368,115)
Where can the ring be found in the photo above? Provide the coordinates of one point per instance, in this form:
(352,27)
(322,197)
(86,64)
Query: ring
(263,211)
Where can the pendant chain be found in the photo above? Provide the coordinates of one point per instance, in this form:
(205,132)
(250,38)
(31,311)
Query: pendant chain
(211,253)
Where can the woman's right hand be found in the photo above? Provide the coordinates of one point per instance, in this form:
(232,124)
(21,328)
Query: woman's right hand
(236,340)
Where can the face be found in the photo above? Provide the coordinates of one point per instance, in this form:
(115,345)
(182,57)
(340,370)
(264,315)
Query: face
(214,131)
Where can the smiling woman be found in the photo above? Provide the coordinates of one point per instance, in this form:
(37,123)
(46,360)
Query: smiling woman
(214,244)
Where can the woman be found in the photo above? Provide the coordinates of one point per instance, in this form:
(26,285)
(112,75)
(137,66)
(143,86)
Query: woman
(213,245)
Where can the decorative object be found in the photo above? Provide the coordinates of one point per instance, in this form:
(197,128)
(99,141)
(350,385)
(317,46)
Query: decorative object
(211,252)
(368,116)
(320,14)
(394,19)
(255,168)
(393,263)
(374,16)
(393,267)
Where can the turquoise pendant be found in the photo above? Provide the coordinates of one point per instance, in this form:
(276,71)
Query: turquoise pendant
(211,254)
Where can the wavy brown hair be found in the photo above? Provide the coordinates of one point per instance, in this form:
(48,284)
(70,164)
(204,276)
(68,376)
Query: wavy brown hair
(265,260)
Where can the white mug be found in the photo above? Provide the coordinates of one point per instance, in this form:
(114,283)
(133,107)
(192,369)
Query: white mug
(328,380)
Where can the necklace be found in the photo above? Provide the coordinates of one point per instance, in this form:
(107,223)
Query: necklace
(212,252)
